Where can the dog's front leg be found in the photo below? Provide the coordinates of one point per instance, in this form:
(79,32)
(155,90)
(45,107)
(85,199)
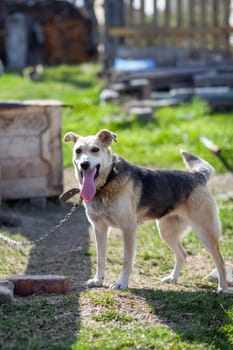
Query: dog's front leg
(129,238)
(100,230)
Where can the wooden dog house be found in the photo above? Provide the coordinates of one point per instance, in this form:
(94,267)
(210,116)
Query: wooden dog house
(31,163)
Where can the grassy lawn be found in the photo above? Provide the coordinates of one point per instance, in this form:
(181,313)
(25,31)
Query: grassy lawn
(151,314)
(156,143)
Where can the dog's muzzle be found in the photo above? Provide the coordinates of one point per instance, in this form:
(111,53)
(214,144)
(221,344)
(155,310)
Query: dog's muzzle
(85,165)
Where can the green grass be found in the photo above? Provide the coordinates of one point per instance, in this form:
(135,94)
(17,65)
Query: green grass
(150,315)
(186,320)
(39,323)
(156,143)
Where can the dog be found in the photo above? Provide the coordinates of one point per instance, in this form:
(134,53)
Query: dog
(119,194)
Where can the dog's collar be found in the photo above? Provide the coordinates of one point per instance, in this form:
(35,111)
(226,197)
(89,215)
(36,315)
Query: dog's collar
(110,177)
(65,196)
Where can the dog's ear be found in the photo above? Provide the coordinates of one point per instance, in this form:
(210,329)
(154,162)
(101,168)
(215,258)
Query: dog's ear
(106,137)
(71,136)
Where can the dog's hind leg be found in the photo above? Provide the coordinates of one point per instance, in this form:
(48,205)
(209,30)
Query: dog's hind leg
(100,230)
(129,239)
(171,229)
(206,223)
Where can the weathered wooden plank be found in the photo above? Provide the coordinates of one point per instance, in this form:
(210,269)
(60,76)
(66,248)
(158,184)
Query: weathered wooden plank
(165,73)
(157,32)
(23,168)
(19,147)
(25,188)
(46,152)
(224,68)
(203,22)
(56,172)
(215,13)
(166,39)
(215,23)
(129,14)
(152,103)
(192,22)
(0,184)
(29,121)
(221,79)
(155,14)
(167,77)
(203,14)
(142,19)
(29,188)
(112,44)
(16,104)
(179,14)
(226,13)
(217,100)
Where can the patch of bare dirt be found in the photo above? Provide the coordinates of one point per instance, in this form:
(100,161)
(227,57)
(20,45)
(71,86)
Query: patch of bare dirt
(221,186)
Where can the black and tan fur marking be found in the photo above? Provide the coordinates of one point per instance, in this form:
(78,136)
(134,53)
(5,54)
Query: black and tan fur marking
(127,194)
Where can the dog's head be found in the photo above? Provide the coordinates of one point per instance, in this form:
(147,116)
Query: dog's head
(92,159)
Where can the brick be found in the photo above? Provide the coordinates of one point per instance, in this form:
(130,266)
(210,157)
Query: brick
(33,284)
(6,292)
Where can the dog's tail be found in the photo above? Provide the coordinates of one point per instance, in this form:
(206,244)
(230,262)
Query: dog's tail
(197,164)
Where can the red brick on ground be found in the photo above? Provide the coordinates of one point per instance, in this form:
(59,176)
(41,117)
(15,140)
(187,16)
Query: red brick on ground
(32,284)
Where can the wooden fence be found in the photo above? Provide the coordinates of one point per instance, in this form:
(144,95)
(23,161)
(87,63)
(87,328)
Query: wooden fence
(198,24)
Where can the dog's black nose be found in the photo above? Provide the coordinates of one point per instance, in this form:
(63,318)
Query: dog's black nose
(85,165)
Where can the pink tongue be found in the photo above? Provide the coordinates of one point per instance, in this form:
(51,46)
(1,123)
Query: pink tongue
(88,189)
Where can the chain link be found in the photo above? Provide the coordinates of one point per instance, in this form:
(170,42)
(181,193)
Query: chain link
(10,241)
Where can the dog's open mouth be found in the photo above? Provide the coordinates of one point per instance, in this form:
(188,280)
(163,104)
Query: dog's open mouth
(96,170)
(88,189)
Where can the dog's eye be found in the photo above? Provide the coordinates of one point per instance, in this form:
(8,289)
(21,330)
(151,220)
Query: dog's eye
(95,150)
(78,150)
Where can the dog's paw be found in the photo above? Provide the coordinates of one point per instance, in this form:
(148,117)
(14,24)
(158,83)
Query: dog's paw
(169,279)
(118,286)
(94,282)
(213,276)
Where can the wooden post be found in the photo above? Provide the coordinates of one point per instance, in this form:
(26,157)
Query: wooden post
(142,12)
(192,22)
(89,5)
(114,16)
(167,24)
(215,23)
(203,23)
(0,184)
(179,14)
(226,14)
(155,14)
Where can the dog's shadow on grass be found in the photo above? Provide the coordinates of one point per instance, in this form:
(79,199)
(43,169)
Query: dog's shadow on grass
(196,317)
(66,250)
(41,321)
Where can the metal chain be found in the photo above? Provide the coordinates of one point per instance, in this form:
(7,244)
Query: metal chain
(42,237)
